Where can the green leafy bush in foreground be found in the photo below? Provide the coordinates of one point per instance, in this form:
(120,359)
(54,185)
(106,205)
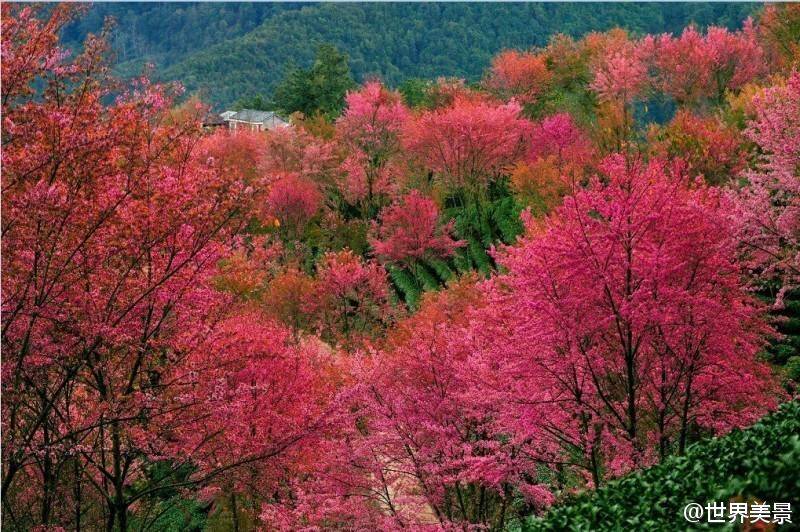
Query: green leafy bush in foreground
(761,462)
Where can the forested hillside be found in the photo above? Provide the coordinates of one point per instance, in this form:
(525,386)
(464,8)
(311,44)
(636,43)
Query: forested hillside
(233,50)
(164,33)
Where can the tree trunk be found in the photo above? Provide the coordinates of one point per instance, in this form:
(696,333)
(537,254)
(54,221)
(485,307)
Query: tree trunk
(685,414)
(234,513)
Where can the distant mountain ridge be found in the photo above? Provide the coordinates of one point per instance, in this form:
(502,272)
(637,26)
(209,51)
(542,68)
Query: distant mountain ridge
(231,50)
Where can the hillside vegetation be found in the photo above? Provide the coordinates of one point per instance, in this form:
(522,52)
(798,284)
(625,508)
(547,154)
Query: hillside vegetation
(761,462)
(234,50)
(438,306)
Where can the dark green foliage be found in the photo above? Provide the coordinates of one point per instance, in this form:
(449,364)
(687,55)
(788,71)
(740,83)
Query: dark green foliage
(788,325)
(481,224)
(406,285)
(347,234)
(232,50)
(505,218)
(784,351)
(257,102)
(793,368)
(761,462)
(427,276)
(317,90)
(478,258)
(442,269)
(165,33)
(415,92)
(172,515)
(165,508)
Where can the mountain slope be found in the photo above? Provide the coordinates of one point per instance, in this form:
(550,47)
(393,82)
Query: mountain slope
(233,50)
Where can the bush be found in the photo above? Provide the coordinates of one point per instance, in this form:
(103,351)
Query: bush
(761,462)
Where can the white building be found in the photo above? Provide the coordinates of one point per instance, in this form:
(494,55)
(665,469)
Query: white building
(253,120)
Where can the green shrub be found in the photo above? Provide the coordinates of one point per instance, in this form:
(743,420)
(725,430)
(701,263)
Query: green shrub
(761,462)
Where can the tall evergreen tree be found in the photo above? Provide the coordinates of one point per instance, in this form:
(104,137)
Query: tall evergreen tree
(318,90)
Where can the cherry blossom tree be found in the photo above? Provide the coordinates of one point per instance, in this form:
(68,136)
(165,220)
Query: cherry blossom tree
(631,322)
(208,314)
(242,154)
(456,456)
(293,201)
(370,128)
(767,209)
(518,75)
(409,230)
(252,415)
(621,76)
(620,80)
(559,155)
(712,149)
(295,150)
(469,143)
(354,297)
(424,450)
(559,138)
(693,67)
(116,216)
(778,28)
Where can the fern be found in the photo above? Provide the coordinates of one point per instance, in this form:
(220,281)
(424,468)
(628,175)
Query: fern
(486,231)
(482,261)
(406,285)
(425,278)
(442,269)
(505,216)
(462,262)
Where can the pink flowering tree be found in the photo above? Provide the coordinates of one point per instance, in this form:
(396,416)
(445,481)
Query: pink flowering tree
(694,67)
(620,80)
(621,76)
(409,231)
(295,150)
(767,210)
(560,154)
(241,154)
(432,449)
(711,148)
(632,330)
(292,201)
(468,144)
(559,139)
(353,297)
(519,75)
(369,128)
(432,421)
(253,414)
(115,219)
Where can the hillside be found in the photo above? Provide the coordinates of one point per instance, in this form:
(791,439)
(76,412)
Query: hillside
(233,50)
(525,303)
(759,463)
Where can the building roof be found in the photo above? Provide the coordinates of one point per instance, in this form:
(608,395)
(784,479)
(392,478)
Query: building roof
(255,117)
(213,119)
(227,114)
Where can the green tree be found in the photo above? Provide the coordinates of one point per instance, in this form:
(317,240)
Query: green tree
(320,89)
(257,102)
(415,92)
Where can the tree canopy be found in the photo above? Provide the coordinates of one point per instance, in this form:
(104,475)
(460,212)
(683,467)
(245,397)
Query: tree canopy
(451,306)
(229,51)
